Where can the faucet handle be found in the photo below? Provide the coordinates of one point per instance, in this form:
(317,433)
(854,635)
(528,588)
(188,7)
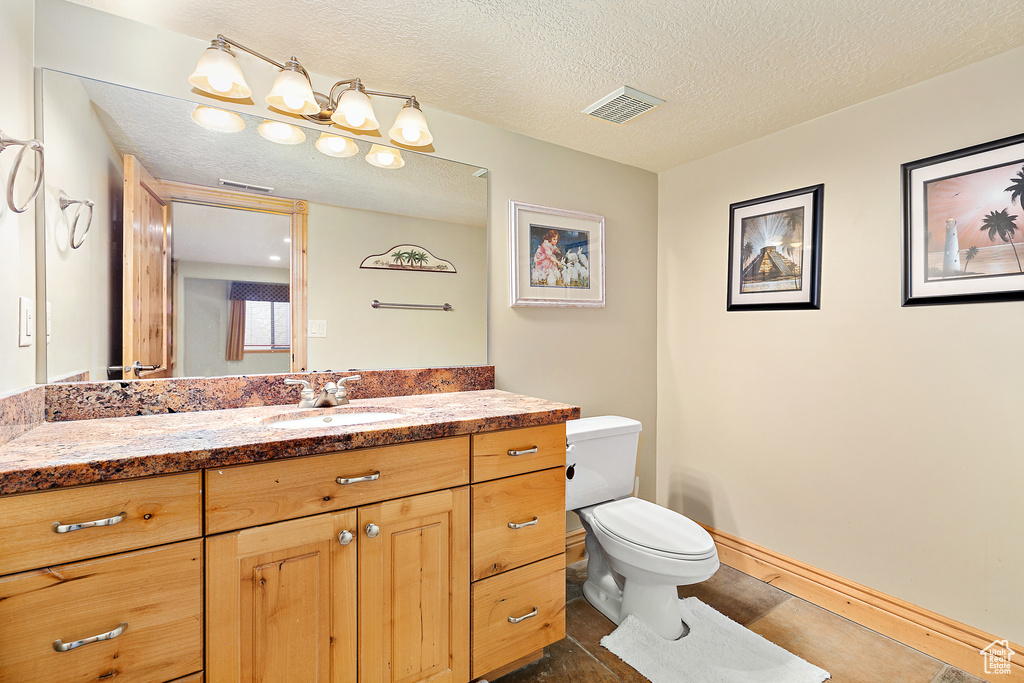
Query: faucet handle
(306,395)
(342,392)
(350,378)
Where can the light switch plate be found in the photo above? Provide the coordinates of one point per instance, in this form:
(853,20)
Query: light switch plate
(26,321)
(317,328)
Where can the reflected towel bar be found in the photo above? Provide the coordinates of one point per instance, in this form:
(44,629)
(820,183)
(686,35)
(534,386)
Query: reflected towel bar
(428,307)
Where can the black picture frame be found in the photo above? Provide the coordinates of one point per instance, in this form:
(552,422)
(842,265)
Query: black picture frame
(763,276)
(949,194)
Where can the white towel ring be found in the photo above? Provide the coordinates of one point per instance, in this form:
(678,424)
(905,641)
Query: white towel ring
(26,145)
(65,201)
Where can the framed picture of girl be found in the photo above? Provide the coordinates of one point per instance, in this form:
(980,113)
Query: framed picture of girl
(557,257)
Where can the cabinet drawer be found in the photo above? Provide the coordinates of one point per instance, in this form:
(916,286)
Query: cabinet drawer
(248,495)
(535,503)
(503,454)
(156,592)
(155,510)
(515,594)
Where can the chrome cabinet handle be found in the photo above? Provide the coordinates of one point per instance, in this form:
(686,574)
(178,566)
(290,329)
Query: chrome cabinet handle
(516,620)
(355,480)
(61,646)
(513,525)
(372,530)
(109,521)
(523,452)
(345,537)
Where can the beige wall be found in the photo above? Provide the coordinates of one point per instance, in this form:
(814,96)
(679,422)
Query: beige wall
(17,260)
(877,442)
(601,359)
(340,292)
(82,163)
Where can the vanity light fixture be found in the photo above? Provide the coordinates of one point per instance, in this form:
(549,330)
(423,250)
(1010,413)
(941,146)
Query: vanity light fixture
(218,119)
(281,133)
(347,104)
(385,157)
(336,146)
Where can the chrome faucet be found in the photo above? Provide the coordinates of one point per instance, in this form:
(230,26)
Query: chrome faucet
(330,395)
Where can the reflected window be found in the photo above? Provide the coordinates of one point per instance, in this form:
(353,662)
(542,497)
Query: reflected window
(267,326)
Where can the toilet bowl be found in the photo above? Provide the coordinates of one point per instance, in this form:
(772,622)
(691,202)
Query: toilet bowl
(638,552)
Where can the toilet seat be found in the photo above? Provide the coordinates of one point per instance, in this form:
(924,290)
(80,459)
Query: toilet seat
(654,529)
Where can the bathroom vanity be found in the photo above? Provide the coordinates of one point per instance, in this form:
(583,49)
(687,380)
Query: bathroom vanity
(213,546)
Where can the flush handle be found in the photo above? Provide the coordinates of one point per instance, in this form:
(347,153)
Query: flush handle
(516,620)
(523,452)
(355,480)
(61,646)
(513,525)
(109,521)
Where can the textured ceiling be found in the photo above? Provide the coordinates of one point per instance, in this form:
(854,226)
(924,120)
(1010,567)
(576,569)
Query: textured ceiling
(159,131)
(730,70)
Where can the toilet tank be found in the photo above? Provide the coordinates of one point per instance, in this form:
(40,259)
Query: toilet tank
(600,459)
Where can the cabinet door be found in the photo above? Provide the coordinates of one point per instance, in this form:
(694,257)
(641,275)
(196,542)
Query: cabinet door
(414,589)
(281,602)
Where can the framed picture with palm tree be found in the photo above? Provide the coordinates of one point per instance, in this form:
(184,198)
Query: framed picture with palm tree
(963,220)
(775,251)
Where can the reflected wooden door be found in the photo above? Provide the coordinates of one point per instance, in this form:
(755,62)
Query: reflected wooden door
(146,340)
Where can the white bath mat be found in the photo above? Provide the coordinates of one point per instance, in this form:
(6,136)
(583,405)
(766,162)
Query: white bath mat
(716,650)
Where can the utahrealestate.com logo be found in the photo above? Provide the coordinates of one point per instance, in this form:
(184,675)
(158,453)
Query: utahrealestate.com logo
(997,657)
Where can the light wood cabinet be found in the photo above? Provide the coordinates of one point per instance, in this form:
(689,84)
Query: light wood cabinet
(518,553)
(291,600)
(346,567)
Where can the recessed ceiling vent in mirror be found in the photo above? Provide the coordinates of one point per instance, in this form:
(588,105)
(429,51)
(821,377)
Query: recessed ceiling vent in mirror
(246,186)
(623,105)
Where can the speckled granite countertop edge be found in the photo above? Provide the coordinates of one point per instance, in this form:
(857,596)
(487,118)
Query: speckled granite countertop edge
(55,455)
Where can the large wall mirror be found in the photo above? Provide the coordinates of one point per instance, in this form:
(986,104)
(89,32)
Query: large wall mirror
(184,251)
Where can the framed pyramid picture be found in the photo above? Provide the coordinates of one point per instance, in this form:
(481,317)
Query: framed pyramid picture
(775,251)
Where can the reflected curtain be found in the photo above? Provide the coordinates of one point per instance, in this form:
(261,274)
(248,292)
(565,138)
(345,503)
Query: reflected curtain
(236,330)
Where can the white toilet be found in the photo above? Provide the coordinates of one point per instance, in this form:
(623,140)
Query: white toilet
(638,551)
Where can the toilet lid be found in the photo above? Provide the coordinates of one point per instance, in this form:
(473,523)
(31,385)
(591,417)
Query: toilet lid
(651,526)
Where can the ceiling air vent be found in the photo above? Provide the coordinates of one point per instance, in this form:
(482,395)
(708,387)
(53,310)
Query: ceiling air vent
(622,105)
(246,186)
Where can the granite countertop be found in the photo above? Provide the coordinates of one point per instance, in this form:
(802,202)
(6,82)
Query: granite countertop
(57,454)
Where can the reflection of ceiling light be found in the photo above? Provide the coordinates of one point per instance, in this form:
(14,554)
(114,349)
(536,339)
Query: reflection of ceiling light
(347,104)
(385,157)
(288,240)
(283,133)
(336,145)
(275,258)
(218,119)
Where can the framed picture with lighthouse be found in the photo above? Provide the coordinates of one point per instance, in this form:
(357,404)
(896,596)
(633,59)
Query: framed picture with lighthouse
(963,225)
(775,251)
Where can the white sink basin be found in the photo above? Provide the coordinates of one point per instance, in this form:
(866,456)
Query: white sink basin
(332,420)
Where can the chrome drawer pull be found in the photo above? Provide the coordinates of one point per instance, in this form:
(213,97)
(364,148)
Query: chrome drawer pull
(355,480)
(513,525)
(523,452)
(516,620)
(109,521)
(60,646)
(345,537)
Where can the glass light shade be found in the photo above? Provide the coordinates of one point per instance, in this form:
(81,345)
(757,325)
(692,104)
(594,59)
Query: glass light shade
(336,145)
(281,133)
(355,111)
(411,128)
(291,93)
(218,73)
(385,157)
(218,119)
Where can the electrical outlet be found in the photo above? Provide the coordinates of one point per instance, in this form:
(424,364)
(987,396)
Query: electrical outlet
(26,321)
(317,328)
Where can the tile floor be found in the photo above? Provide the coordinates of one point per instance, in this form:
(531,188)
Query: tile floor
(851,653)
